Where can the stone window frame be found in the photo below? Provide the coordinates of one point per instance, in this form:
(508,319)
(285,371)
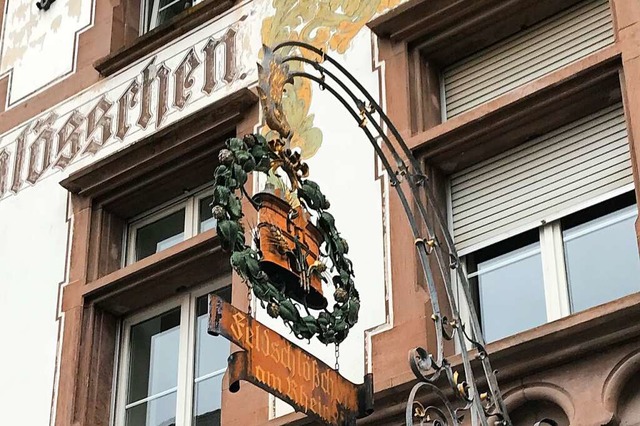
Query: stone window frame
(100,290)
(414,42)
(147,9)
(129,43)
(419,39)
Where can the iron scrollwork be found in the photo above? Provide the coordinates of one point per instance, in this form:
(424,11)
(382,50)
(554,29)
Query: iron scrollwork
(448,395)
(45,4)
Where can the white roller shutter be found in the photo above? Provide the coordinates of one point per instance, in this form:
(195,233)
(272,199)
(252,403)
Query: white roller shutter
(551,174)
(528,55)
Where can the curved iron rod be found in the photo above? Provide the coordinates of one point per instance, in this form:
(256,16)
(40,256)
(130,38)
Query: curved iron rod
(421,248)
(351,78)
(479,343)
(394,181)
(492,383)
(417,169)
(416,166)
(414,189)
(430,232)
(414,162)
(451,412)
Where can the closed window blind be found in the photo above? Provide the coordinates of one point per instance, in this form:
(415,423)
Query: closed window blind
(516,190)
(528,55)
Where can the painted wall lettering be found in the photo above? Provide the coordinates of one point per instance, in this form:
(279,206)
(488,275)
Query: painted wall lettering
(212,75)
(4,171)
(127,101)
(69,140)
(40,150)
(19,160)
(147,81)
(184,80)
(143,102)
(101,123)
(163,86)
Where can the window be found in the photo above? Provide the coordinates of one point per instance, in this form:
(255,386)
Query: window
(547,46)
(504,274)
(582,260)
(169,225)
(170,369)
(601,258)
(157,12)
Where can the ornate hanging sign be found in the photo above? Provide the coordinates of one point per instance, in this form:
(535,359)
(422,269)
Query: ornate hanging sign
(283,369)
(434,244)
(292,256)
(284,266)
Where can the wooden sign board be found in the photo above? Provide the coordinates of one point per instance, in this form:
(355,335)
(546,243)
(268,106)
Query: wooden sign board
(283,369)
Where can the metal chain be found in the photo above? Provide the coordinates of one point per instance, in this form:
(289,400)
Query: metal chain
(337,353)
(249,299)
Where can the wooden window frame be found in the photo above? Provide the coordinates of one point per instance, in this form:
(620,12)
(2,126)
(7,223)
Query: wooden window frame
(186,361)
(100,290)
(189,202)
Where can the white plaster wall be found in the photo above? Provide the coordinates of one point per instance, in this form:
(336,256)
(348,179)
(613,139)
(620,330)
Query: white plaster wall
(33,248)
(39,47)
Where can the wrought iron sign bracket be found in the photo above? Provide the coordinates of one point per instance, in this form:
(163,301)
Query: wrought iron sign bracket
(45,4)
(460,394)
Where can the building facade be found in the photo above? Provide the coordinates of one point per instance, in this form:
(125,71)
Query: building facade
(524,115)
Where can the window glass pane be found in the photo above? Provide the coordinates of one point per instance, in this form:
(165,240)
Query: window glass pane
(153,360)
(157,412)
(210,362)
(511,293)
(160,234)
(160,11)
(206,216)
(602,259)
(211,352)
(207,403)
(170,8)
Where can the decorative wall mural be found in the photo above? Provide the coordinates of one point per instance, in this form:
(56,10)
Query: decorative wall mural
(329,25)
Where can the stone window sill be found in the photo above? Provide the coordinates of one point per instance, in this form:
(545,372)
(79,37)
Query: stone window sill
(547,346)
(567,338)
(159,276)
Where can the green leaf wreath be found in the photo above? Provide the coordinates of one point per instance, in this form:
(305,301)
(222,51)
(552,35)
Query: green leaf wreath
(237,160)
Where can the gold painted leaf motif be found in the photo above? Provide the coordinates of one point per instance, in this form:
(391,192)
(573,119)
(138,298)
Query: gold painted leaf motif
(330,25)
